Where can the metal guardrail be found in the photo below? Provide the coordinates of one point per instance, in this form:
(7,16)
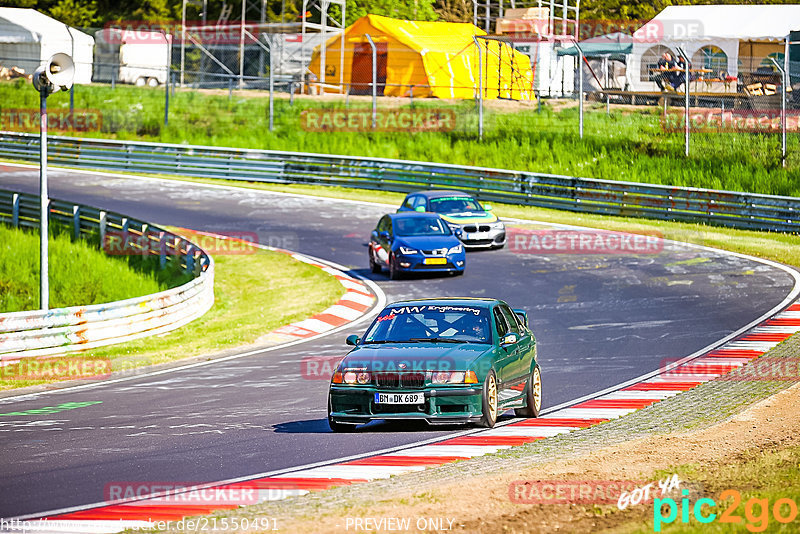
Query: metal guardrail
(607,197)
(44,332)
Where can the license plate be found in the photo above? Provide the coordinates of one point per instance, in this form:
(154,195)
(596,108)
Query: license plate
(399,398)
(435,261)
(478,235)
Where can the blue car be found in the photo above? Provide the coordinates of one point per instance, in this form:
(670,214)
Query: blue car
(415,242)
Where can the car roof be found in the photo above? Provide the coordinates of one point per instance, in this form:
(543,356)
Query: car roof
(413,215)
(449,301)
(440,193)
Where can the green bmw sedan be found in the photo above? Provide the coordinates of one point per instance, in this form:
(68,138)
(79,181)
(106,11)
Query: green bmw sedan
(445,361)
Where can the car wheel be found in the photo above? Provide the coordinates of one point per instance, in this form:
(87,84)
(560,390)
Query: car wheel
(394,270)
(533,395)
(140,82)
(489,404)
(374,266)
(152,82)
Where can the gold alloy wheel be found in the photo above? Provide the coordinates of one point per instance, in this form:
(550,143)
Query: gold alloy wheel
(491,396)
(537,389)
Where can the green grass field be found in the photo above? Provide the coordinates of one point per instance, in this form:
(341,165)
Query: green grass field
(80,273)
(627,145)
(253,295)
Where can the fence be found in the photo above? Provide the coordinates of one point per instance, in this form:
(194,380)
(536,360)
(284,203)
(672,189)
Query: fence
(739,210)
(45,332)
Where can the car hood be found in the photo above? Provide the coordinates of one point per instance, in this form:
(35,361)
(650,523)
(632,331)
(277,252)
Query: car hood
(470,217)
(415,356)
(428,242)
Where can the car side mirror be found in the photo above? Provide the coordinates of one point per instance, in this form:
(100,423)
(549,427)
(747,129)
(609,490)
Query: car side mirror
(384,234)
(508,339)
(523,315)
(420,209)
(487,207)
(352,340)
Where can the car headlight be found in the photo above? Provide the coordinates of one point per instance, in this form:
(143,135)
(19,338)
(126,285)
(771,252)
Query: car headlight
(498,224)
(354,377)
(448,377)
(406,250)
(456,249)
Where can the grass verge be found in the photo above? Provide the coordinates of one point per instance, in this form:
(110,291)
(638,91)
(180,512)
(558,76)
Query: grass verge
(254,294)
(80,273)
(628,144)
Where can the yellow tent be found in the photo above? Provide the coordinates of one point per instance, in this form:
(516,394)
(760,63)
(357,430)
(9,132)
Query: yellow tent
(437,59)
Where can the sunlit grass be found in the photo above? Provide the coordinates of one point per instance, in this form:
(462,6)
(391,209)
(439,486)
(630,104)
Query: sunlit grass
(627,145)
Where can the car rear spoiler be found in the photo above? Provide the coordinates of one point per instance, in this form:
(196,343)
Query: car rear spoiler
(522,314)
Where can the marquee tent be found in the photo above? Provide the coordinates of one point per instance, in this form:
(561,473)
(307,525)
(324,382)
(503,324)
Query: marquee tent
(729,38)
(438,59)
(28,38)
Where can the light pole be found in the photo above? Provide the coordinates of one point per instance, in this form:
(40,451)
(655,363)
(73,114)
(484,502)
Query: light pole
(56,74)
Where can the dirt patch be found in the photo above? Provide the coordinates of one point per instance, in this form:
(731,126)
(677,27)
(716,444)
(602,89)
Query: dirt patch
(484,504)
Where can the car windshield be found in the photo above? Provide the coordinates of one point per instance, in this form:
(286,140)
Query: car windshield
(430,323)
(413,226)
(455,205)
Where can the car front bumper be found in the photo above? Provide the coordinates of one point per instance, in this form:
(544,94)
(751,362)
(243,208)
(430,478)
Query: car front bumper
(481,235)
(443,405)
(416,263)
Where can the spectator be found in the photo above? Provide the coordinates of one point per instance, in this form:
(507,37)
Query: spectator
(664,75)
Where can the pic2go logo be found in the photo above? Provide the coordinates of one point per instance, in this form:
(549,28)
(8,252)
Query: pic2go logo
(756,511)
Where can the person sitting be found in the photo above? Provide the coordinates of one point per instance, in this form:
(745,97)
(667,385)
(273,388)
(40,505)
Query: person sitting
(664,72)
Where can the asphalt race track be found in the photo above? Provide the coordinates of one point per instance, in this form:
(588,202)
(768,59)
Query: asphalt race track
(599,320)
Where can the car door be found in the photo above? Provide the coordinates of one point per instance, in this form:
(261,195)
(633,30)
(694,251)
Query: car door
(380,240)
(521,365)
(506,355)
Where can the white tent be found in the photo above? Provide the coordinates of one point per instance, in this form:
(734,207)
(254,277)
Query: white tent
(737,31)
(28,38)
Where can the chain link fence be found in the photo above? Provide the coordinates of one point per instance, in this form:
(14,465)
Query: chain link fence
(375,84)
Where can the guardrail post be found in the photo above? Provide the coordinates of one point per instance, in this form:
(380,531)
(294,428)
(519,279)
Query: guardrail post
(162,250)
(144,241)
(103,222)
(190,259)
(76,221)
(15,210)
(125,228)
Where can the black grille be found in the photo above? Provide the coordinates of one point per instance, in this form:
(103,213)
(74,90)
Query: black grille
(435,252)
(470,229)
(483,228)
(400,380)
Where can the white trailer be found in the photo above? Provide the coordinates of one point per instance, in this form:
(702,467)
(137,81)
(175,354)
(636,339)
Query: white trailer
(135,57)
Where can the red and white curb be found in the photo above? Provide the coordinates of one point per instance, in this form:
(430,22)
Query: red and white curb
(356,301)
(147,512)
